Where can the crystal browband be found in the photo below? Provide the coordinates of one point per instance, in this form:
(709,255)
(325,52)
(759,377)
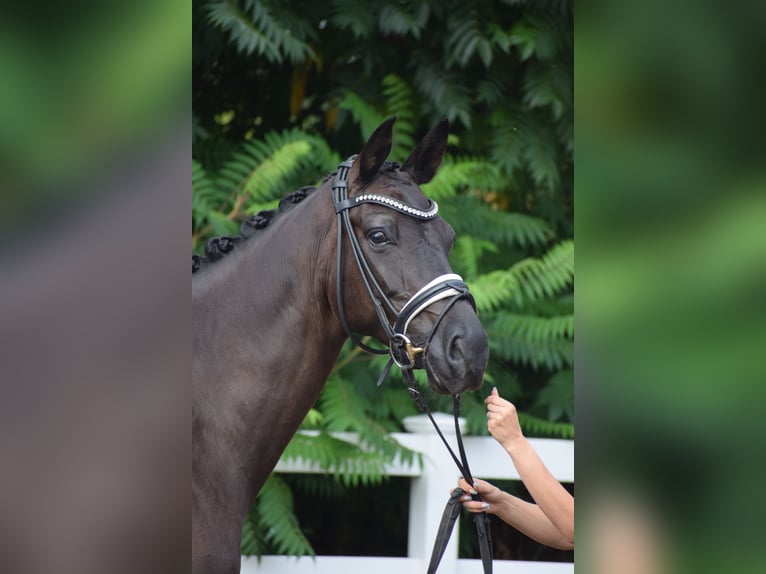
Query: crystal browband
(429,213)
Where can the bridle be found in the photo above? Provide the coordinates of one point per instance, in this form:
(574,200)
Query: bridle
(448,286)
(403,353)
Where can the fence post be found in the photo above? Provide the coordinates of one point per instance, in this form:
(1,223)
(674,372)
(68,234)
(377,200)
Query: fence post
(430,491)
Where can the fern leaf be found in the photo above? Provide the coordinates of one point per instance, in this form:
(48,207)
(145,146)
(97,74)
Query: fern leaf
(205,196)
(466,254)
(526,281)
(253,543)
(445,91)
(365,114)
(511,132)
(557,398)
(547,276)
(276,517)
(523,340)
(407,19)
(465,37)
(535,426)
(354,16)
(456,175)
(533,36)
(262,28)
(548,86)
(400,101)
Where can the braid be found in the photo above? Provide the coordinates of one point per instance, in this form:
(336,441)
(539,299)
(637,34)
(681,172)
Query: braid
(217,247)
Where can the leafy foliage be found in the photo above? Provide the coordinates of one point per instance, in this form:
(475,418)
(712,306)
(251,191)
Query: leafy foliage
(272,523)
(284,90)
(264,28)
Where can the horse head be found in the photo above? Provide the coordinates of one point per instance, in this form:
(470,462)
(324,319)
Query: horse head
(394,280)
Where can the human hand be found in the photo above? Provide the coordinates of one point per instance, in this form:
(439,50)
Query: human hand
(490,495)
(502,420)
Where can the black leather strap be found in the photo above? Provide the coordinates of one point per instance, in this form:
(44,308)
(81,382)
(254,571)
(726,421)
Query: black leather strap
(452,510)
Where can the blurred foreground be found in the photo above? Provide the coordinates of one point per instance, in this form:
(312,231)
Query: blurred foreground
(670,213)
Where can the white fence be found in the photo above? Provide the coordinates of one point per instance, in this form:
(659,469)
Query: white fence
(430,488)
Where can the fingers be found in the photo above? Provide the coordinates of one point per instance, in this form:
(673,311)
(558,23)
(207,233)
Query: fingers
(463,483)
(474,505)
(479,487)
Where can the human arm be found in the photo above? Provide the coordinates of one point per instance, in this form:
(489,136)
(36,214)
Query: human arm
(553,500)
(523,516)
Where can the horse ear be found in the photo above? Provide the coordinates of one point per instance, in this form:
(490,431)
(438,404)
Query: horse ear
(376,150)
(426,158)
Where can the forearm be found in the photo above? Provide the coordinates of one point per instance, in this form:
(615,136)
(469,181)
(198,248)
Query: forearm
(530,519)
(553,500)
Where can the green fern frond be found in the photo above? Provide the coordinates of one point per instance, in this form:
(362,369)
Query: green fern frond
(510,134)
(445,91)
(533,36)
(262,28)
(536,329)
(205,196)
(548,86)
(492,290)
(465,37)
(344,410)
(492,90)
(557,398)
(537,427)
(404,19)
(253,542)
(400,102)
(364,113)
(354,16)
(540,278)
(462,174)
(266,180)
(541,153)
(349,463)
(265,169)
(526,281)
(552,353)
(477,219)
(467,252)
(520,229)
(277,519)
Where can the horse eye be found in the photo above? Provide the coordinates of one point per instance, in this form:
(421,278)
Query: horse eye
(377,237)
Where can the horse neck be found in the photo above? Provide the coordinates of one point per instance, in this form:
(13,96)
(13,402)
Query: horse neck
(265,339)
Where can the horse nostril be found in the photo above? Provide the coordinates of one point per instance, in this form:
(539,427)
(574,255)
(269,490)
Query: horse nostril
(456,349)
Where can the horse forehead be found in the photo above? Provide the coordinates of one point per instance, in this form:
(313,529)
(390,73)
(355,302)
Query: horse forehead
(399,186)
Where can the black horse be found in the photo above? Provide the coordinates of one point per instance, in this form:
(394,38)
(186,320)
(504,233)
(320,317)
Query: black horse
(364,254)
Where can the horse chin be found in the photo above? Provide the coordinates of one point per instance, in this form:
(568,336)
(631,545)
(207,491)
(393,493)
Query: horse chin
(450,383)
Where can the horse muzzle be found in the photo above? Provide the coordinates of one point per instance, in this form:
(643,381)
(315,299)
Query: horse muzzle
(458,352)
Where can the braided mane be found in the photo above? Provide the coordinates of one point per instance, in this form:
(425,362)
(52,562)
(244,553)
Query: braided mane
(217,247)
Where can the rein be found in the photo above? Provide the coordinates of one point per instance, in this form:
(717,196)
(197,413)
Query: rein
(403,353)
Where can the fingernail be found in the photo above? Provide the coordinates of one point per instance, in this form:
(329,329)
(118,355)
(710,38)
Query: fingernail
(485,506)
(473,491)
(465,498)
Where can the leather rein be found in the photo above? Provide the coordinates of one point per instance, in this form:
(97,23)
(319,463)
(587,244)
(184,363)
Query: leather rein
(403,352)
